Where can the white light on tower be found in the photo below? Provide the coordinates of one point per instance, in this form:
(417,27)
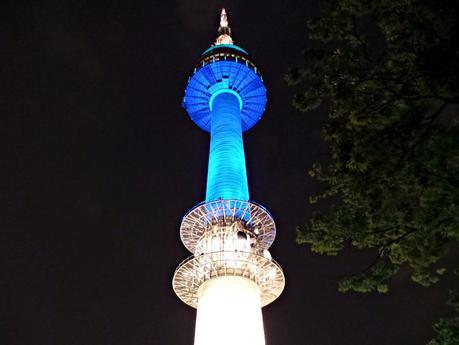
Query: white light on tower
(229,312)
(231,275)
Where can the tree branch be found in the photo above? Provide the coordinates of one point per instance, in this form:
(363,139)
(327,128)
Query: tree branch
(409,151)
(386,245)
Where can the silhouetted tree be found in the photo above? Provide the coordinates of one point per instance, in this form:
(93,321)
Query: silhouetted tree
(387,71)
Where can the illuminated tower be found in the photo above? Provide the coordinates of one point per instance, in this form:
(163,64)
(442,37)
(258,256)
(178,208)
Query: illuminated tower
(231,274)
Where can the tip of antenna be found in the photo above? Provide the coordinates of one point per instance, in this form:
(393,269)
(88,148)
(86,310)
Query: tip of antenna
(224,30)
(223,19)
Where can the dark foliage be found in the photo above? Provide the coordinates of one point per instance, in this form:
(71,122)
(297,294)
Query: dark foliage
(387,71)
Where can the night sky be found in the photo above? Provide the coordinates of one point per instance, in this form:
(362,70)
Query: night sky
(99,163)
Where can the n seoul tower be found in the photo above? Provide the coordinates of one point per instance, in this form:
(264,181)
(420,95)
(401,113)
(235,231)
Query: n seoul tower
(231,274)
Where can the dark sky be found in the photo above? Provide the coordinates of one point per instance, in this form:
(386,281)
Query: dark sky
(99,163)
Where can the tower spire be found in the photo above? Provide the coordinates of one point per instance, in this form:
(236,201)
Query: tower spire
(224,30)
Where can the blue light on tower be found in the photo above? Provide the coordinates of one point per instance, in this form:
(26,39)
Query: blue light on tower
(228,233)
(225,96)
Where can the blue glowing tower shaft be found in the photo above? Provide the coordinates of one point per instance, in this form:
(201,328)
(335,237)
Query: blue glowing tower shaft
(227,175)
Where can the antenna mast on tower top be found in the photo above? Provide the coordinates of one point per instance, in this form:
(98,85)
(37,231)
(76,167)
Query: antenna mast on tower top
(224,30)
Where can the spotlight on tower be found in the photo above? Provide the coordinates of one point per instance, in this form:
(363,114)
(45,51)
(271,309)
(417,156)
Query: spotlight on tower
(231,274)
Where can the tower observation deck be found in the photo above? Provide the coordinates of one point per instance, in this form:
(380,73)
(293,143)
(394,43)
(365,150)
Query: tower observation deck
(231,274)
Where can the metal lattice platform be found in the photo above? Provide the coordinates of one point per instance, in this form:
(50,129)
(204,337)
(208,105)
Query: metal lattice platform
(194,271)
(255,217)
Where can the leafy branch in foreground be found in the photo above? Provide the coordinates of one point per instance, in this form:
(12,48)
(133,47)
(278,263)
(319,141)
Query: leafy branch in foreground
(387,73)
(448,329)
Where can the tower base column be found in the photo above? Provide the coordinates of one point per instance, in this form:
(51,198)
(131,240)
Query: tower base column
(229,312)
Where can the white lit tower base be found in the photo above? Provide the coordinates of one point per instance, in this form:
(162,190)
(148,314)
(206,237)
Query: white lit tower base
(231,274)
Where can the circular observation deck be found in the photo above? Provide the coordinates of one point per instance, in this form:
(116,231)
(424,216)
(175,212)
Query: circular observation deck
(225,67)
(196,270)
(204,216)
